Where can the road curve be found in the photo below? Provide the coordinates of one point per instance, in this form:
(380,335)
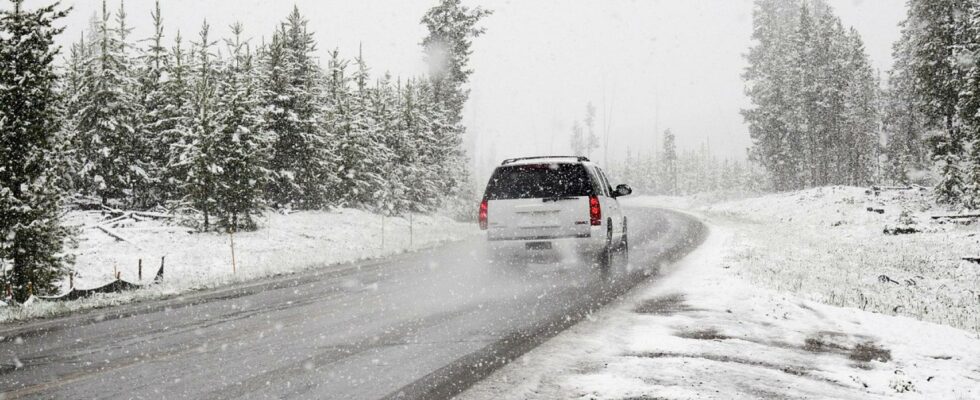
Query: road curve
(420,325)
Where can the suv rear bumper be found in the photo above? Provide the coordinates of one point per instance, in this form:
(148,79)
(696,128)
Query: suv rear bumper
(586,235)
(587,244)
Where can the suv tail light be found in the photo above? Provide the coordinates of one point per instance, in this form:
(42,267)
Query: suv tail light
(483,214)
(595,211)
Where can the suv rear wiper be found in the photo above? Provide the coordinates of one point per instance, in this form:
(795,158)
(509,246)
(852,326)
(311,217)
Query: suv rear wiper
(559,198)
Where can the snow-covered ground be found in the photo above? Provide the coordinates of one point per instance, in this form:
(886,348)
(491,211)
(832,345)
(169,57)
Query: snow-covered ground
(704,331)
(825,245)
(285,243)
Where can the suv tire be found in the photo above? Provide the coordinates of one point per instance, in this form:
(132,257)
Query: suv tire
(605,256)
(625,244)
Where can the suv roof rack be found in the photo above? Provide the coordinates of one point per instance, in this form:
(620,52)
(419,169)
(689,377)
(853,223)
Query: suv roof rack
(513,160)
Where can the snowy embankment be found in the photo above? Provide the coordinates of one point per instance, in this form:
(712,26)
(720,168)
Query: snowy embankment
(702,331)
(829,245)
(284,243)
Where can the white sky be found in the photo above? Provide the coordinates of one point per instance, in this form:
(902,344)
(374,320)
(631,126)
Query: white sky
(646,65)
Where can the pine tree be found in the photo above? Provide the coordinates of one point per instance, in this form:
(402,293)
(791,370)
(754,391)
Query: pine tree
(903,123)
(426,186)
(669,167)
(301,162)
(71,87)
(452,28)
(591,140)
(814,118)
(389,197)
(154,121)
(933,35)
(578,139)
(239,151)
(32,238)
(969,110)
(859,147)
(107,118)
(362,154)
(173,123)
(404,148)
(197,152)
(138,191)
(771,84)
(806,114)
(421,181)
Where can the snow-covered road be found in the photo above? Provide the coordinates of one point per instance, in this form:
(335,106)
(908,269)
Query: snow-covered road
(421,325)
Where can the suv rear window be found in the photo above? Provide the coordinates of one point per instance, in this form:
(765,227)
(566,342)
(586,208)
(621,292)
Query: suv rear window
(539,181)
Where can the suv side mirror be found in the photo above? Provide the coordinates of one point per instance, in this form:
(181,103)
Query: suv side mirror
(623,190)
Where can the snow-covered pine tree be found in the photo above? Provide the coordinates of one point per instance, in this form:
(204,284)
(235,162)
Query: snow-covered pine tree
(969,110)
(335,109)
(814,108)
(947,154)
(197,152)
(426,186)
(770,77)
(578,139)
(32,238)
(107,117)
(903,120)
(446,159)
(669,164)
(972,185)
(833,141)
(173,123)
(154,121)
(420,180)
(452,28)
(651,177)
(933,34)
(71,86)
(806,114)
(591,139)
(240,149)
(138,193)
(361,153)
(301,162)
(390,196)
(860,114)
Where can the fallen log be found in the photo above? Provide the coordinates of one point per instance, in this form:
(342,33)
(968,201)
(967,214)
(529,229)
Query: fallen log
(901,230)
(106,222)
(975,260)
(956,216)
(155,215)
(884,188)
(118,236)
(160,228)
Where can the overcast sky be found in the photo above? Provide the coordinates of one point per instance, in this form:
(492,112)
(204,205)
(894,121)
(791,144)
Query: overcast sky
(646,65)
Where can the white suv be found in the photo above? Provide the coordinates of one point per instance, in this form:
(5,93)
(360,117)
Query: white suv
(537,204)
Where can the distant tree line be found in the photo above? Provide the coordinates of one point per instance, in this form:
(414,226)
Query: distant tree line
(814,118)
(668,171)
(223,128)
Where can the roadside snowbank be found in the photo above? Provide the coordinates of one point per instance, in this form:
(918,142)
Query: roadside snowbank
(702,332)
(285,243)
(825,245)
